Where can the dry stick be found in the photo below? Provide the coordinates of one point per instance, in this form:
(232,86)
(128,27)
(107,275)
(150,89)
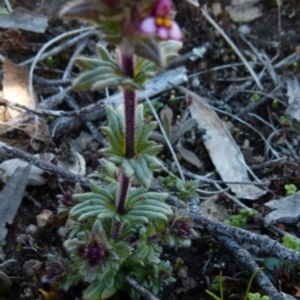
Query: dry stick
(60,48)
(252,106)
(42,50)
(157,85)
(161,127)
(246,260)
(262,241)
(234,47)
(51,82)
(201,221)
(140,289)
(263,59)
(95,132)
(16,153)
(240,204)
(8,6)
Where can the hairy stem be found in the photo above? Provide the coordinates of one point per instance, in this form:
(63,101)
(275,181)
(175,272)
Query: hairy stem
(123,191)
(121,200)
(130,104)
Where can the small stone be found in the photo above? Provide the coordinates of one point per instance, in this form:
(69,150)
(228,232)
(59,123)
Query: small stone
(22,238)
(32,229)
(62,231)
(45,218)
(244,30)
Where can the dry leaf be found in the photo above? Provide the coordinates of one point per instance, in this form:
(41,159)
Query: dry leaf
(11,197)
(293,93)
(224,152)
(8,167)
(25,20)
(15,90)
(242,11)
(15,85)
(188,156)
(286,210)
(213,210)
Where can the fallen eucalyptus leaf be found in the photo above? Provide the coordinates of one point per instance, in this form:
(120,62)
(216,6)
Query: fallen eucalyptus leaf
(286,210)
(224,152)
(11,197)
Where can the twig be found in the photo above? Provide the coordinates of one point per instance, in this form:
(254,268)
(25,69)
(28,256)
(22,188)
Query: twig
(208,180)
(234,47)
(262,241)
(140,289)
(8,6)
(232,198)
(157,85)
(288,60)
(246,260)
(51,82)
(42,50)
(161,127)
(252,106)
(95,132)
(14,152)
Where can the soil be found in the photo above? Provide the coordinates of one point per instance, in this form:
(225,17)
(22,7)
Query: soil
(276,35)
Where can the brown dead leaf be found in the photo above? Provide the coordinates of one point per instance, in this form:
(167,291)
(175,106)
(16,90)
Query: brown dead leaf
(222,148)
(15,90)
(15,85)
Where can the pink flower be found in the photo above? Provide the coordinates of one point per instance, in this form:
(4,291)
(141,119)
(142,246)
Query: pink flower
(160,23)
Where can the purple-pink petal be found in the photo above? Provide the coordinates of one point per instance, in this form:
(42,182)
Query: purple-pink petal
(162,8)
(175,32)
(163,33)
(148,25)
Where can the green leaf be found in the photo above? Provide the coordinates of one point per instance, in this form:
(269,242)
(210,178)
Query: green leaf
(87,79)
(213,295)
(149,48)
(94,291)
(107,293)
(184,128)
(103,192)
(103,53)
(170,49)
(94,213)
(147,214)
(111,81)
(122,250)
(88,63)
(86,196)
(142,172)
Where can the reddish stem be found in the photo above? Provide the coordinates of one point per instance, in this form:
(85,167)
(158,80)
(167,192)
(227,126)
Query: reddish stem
(123,191)
(130,104)
(124,185)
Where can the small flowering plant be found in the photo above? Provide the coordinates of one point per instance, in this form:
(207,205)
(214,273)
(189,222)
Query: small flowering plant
(119,230)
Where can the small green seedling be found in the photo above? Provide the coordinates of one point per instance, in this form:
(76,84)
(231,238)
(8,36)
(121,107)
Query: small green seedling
(255,97)
(248,295)
(257,296)
(241,219)
(290,189)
